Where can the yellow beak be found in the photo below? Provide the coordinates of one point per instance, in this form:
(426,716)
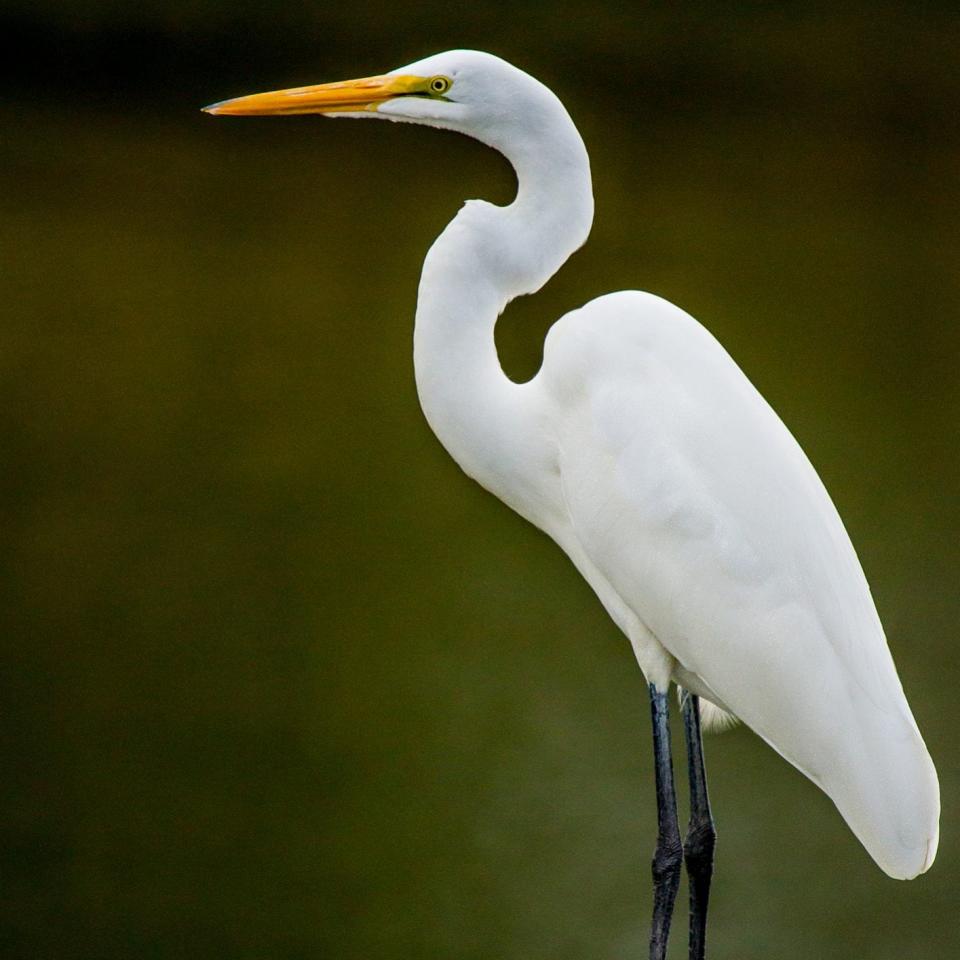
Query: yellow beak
(345,95)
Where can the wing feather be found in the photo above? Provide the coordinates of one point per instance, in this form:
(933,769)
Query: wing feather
(694,501)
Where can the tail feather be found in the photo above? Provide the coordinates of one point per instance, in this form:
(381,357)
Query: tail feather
(713,719)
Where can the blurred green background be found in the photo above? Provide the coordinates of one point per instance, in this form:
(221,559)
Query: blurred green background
(279,682)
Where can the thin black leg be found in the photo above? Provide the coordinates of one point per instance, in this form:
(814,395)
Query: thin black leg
(701,835)
(668,857)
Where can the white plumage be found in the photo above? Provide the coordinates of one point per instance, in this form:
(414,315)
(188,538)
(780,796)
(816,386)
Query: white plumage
(715,540)
(647,455)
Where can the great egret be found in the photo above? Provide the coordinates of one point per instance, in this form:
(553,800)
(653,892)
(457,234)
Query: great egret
(647,455)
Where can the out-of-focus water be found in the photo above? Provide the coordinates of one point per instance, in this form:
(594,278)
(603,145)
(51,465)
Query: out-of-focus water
(280,681)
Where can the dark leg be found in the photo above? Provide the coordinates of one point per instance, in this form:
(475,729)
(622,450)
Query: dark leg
(701,835)
(668,856)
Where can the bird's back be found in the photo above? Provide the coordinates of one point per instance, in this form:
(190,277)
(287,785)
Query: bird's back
(705,517)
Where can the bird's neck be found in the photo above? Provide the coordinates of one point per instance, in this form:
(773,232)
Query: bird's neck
(486,257)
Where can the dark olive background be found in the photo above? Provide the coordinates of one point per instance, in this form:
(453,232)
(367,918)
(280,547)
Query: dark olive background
(278,681)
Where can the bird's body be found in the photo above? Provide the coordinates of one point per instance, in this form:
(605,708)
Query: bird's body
(647,455)
(718,551)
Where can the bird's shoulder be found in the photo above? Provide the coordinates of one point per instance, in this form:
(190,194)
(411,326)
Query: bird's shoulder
(623,332)
(634,369)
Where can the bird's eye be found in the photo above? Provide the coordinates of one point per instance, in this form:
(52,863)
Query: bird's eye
(439,85)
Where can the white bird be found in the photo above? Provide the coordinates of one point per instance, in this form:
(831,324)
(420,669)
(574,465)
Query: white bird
(642,449)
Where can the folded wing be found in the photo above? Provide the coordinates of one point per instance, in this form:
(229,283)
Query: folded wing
(704,515)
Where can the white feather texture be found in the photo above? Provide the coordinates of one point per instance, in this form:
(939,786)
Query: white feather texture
(647,455)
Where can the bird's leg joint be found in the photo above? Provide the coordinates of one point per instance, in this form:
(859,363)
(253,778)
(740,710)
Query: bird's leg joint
(667,860)
(698,847)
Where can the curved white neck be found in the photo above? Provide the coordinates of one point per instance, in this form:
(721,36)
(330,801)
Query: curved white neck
(486,256)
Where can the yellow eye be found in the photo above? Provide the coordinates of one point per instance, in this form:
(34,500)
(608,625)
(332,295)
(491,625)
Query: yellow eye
(440,85)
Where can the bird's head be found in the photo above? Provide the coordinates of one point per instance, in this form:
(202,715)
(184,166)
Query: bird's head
(465,90)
